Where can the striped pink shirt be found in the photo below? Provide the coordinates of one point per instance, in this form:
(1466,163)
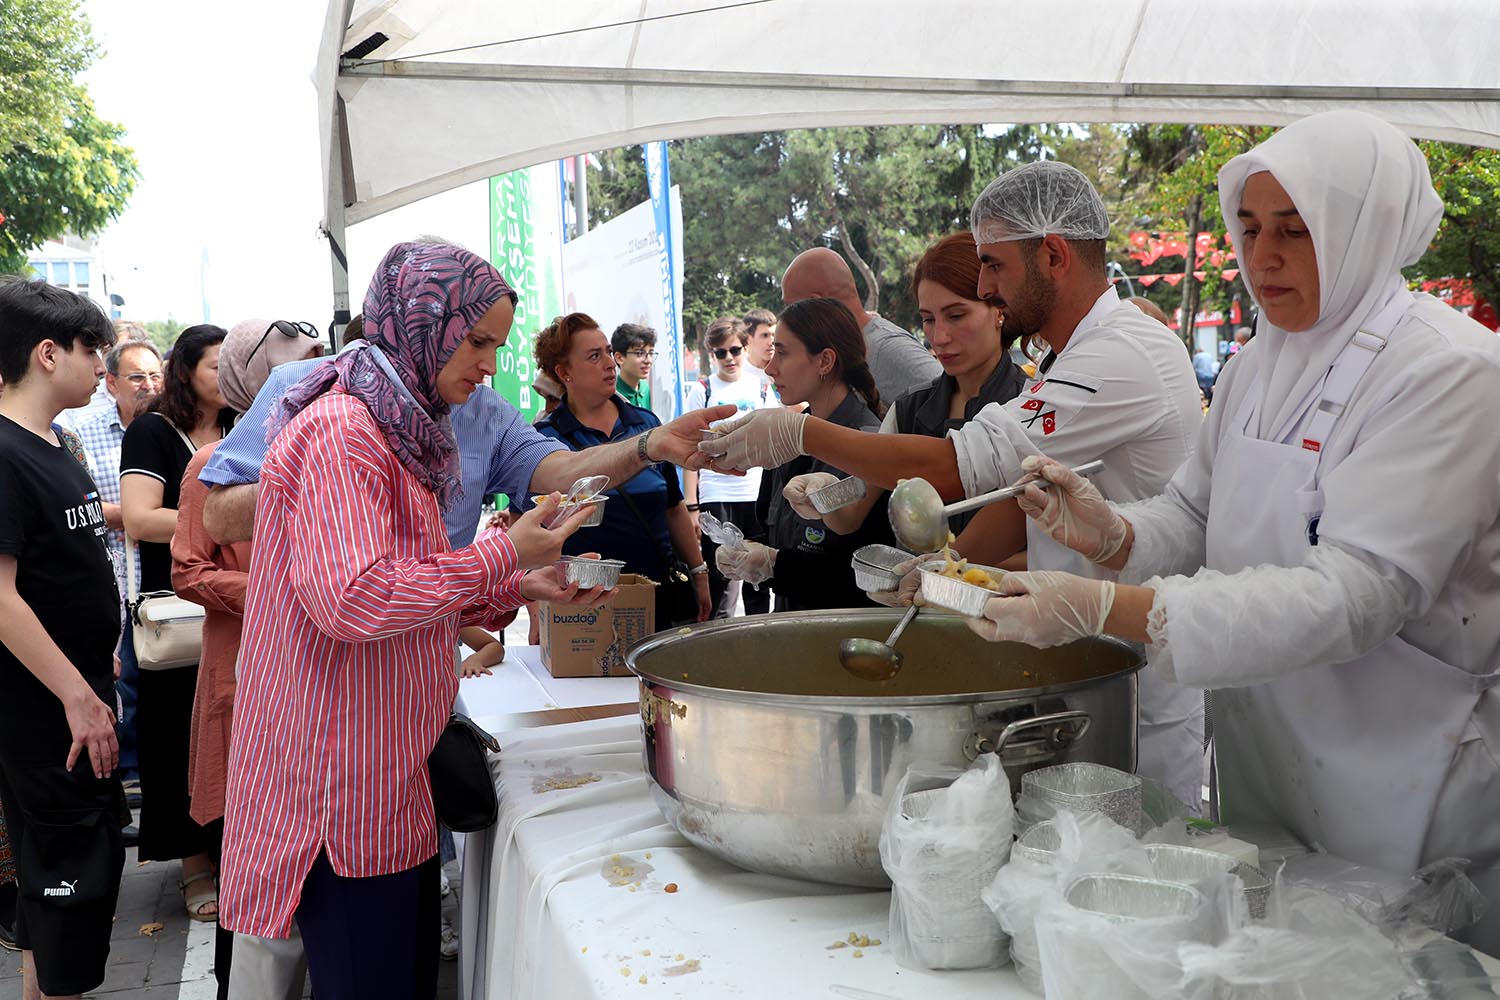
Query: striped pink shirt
(346,674)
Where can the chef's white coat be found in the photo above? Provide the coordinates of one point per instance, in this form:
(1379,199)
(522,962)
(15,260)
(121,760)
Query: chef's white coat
(1122,390)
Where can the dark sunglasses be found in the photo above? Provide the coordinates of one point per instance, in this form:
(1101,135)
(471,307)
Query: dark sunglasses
(723,352)
(287,327)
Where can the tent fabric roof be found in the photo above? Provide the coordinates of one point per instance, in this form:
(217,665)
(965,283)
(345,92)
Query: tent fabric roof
(460,90)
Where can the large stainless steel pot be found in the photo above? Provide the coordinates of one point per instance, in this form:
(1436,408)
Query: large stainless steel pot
(763,751)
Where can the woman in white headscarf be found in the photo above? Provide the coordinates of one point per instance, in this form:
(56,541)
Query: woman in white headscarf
(1329,558)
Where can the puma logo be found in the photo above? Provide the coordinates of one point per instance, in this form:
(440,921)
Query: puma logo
(64,888)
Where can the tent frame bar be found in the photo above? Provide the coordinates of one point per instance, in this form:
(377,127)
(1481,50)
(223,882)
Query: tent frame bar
(591,76)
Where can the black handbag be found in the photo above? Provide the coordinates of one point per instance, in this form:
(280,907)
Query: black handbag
(463,792)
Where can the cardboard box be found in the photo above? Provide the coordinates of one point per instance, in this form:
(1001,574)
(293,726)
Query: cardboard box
(579,641)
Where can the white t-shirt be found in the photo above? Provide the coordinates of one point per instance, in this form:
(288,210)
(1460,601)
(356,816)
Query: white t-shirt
(751,391)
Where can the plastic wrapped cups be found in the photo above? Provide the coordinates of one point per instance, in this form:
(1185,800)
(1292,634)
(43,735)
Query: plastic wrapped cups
(1039,844)
(1190,865)
(835,495)
(589,573)
(1086,788)
(1121,898)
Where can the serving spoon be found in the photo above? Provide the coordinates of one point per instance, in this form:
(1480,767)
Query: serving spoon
(872,660)
(920,519)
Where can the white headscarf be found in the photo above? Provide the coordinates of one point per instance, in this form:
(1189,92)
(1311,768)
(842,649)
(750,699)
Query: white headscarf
(1364,191)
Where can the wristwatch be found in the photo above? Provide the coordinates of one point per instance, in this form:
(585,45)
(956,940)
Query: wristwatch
(699,569)
(641,448)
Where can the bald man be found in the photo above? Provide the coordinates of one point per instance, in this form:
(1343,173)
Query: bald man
(897,360)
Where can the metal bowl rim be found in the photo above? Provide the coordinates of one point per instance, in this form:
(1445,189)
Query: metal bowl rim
(822,701)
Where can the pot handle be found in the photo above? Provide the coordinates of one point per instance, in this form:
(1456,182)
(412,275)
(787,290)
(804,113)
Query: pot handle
(1065,728)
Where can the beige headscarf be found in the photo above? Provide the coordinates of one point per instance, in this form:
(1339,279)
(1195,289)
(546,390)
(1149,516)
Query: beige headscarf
(1363,189)
(243,369)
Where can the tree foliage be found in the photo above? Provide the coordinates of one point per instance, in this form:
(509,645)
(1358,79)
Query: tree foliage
(62,168)
(1468,241)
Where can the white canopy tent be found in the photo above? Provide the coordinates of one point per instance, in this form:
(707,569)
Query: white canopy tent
(419,96)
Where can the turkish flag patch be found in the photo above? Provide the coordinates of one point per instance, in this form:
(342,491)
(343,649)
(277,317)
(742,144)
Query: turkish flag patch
(1049,421)
(1032,404)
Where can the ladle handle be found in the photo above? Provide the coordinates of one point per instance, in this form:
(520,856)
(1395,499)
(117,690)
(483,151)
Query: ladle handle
(1006,492)
(911,613)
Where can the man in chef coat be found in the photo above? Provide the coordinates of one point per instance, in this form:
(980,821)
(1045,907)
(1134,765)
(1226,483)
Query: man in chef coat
(1113,385)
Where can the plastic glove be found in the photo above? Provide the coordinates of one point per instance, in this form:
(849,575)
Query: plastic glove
(796,491)
(905,593)
(1074,513)
(1045,609)
(761,439)
(754,563)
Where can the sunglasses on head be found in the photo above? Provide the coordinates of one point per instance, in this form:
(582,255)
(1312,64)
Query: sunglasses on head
(286,327)
(723,352)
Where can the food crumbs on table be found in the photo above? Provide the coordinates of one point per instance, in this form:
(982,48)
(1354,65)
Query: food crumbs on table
(677,958)
(646,953)
(648,854)
(150,929)
(670,887)
(584,950)
(691,965)
(875,943)
(837,944)
(561,780)
(853,938)
(625,971)
(632,888)
(858,953)
(642,980)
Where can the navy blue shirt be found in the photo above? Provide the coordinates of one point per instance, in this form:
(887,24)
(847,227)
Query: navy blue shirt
(653,490)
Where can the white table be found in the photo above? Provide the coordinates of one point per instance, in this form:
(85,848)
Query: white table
(520,683)
(541,920)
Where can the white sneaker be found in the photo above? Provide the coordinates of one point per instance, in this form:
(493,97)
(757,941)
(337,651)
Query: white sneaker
(448,941)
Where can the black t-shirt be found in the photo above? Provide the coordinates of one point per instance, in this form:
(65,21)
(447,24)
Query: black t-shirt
(153,447)
(52,522)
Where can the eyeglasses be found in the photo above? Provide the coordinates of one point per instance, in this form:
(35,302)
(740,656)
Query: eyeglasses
(723,352)
(287,327)
(641,354)
(139,379)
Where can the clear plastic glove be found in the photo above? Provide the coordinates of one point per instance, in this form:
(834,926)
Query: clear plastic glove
(761,439)
(796,491)
(754,563)
(906,592)
(1073,513)
(1045,609)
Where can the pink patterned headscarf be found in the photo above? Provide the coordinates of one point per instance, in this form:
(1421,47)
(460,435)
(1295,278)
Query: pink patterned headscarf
(422,302)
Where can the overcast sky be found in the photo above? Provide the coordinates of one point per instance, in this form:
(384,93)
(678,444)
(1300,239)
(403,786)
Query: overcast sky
(218,102)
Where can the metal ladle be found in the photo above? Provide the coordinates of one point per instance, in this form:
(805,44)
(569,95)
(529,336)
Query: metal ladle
(920,519)
(872,660)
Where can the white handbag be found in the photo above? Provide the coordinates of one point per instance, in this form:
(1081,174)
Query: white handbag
(166,631)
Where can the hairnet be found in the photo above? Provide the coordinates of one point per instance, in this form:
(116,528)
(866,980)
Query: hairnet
(1036,200)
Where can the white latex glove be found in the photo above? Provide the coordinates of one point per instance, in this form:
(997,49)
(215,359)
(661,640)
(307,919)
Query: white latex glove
(1074,513)
(797,490)
(905,593)
(754,563)
(762,439)
(1045,608)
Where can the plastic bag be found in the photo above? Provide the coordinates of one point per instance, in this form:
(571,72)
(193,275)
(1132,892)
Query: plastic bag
(1439,896)
(1311,946)
(1082,843)
(947,832)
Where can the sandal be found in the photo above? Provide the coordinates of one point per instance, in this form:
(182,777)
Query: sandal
(196,899)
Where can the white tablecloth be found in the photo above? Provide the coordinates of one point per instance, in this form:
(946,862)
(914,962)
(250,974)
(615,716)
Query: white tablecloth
(522,684)
(540,918)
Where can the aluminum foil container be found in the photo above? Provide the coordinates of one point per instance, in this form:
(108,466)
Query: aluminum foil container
(1039,844)
(875,567)
(1087,788)
(835,495)
(968,599)
(567,507)
(1188,865)
(1131,897)
(588,573)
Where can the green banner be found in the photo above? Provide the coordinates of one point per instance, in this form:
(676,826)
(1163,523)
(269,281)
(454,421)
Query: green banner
(525,244)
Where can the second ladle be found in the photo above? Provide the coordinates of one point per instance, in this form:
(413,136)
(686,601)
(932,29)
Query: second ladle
(920,519)
(872,660)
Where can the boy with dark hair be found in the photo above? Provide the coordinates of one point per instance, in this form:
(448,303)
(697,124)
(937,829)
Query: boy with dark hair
(59,622)
(634,348)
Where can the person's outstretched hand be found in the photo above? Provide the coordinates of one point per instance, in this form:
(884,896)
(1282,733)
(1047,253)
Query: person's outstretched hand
(550,583)
(762,439)
(677,442)
(538,545)
(796,491)
(1045,608)
(1073,512)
